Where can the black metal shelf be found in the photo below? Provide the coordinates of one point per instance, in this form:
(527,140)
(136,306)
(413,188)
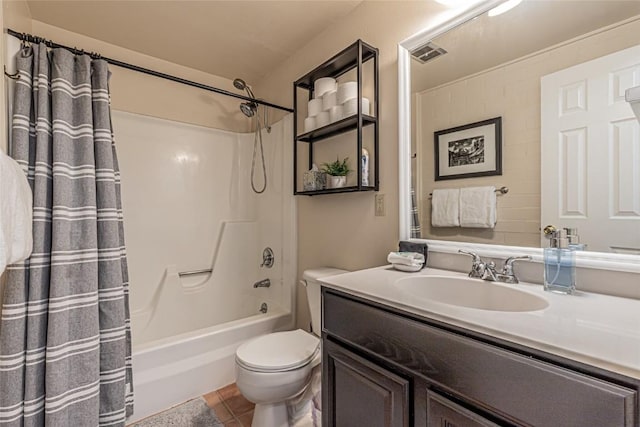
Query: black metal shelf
(336,128)
(351,189)
(339,64)
(348,59)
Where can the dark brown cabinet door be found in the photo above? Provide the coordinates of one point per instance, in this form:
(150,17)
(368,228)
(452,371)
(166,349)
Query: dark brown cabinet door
(441,412)
(357,392)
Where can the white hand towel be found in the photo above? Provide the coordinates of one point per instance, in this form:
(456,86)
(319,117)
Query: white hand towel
(478,207)
(406,258)
(16,202)
(445,207)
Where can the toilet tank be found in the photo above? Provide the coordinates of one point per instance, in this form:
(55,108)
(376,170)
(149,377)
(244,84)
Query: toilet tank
(310,281)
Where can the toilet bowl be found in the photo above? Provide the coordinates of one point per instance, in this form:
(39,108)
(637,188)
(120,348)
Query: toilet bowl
(272,368)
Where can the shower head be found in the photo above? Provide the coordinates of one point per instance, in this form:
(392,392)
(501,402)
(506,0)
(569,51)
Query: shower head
(242,85)
(248,108)
(239,84)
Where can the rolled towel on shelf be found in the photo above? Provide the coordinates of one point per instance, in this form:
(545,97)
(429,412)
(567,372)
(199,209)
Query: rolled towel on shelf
(478,207)
(445,207)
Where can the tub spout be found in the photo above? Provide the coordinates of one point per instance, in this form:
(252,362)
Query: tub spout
(262,284)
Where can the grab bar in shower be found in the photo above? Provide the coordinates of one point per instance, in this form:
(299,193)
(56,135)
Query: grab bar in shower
(194,272)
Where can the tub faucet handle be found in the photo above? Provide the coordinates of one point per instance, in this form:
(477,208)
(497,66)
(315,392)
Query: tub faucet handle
(267,258)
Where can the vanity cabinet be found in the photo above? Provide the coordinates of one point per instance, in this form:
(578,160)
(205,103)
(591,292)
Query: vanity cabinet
(389,368)
(352,58)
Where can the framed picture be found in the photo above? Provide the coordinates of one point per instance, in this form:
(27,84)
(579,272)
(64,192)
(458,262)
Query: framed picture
(469,151)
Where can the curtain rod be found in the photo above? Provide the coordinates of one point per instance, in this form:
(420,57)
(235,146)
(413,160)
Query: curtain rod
(34,39)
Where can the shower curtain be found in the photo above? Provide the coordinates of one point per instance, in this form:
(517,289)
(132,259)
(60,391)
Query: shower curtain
(416,233)
(65,345)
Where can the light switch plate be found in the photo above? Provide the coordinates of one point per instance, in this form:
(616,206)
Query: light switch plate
(380,208)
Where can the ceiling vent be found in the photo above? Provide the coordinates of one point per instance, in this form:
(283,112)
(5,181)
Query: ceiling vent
(427,52)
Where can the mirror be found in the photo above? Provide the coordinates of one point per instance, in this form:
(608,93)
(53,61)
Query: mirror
(499,67)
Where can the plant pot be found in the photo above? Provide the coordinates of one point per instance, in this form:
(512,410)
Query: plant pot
(336,181)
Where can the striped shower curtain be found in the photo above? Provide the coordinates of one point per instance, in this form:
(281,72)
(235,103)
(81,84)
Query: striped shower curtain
(416,233)
(65,345)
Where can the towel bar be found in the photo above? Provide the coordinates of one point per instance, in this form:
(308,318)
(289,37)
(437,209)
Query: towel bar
(501,190)
(194,272)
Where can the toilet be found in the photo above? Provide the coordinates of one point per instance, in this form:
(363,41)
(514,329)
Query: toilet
(275,367)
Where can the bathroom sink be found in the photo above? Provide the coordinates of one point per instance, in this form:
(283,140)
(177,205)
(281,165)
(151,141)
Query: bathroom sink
(471,293)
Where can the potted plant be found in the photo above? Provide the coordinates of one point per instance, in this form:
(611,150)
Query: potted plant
(337,172)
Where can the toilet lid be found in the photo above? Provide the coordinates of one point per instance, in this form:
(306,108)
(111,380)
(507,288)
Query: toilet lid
(278,351)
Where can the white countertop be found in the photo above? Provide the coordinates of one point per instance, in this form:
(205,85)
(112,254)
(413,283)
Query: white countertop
(600,330)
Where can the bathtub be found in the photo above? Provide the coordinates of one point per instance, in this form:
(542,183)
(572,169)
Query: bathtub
(173,370)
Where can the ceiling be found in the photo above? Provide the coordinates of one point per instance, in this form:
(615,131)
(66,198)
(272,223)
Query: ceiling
(231,39)
(486,41)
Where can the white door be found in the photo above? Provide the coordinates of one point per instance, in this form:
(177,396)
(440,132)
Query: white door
(591,152)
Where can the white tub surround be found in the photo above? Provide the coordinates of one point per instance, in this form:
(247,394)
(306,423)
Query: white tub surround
(195,235)
(599,330)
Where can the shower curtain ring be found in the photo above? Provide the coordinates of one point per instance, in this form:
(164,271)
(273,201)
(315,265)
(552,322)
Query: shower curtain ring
(14,76)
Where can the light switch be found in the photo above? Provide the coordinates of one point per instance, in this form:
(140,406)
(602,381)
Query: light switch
(380,205)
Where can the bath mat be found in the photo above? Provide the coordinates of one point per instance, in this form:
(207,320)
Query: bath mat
(194,413)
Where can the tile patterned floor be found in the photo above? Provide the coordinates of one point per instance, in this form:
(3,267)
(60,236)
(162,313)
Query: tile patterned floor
(230,406)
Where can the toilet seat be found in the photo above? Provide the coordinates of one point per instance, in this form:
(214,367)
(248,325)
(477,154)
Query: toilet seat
(279,351)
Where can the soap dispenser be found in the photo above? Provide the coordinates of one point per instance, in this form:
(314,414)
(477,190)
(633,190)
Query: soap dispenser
(559,264)
(574,239)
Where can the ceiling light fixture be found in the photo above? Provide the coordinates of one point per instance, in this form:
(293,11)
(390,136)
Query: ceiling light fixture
(504,7)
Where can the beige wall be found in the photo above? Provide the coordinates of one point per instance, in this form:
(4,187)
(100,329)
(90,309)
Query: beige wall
(341,230)
(513,92)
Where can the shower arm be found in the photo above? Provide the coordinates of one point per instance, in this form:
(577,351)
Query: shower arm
(250,92)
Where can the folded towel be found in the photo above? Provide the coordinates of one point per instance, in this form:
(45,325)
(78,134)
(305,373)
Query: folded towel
(16,201)
(445,208)
(478,207)
(414,259)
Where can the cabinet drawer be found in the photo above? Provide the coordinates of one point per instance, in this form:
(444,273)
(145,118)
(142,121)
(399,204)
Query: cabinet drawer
(515,387)
(441,412)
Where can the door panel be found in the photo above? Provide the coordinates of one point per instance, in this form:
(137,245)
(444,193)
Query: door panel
(591,152)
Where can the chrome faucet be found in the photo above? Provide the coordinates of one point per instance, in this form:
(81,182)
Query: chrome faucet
(490,274)
(262,284)
(479,268)
(487,270)
(508,275)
